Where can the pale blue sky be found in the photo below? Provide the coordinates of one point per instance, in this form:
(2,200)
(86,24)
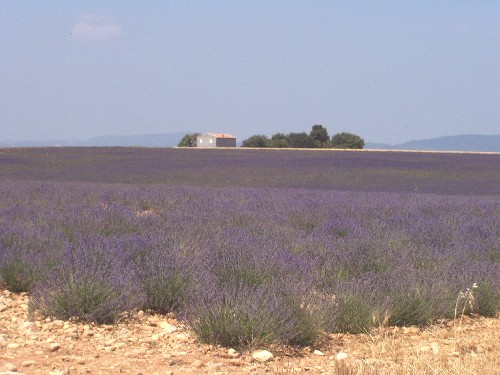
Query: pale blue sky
(389,71)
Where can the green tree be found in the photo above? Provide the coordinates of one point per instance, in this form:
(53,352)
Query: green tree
(300,140)
(320,136)
(259,140)
(279,140)
(347,140)
(189,140)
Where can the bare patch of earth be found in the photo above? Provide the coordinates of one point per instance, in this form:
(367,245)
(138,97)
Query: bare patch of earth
(156,344)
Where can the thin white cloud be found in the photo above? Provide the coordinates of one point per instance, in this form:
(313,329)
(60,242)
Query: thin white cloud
(97,28)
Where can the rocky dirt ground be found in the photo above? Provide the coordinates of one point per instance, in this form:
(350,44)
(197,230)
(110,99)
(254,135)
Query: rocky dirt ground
(154,344)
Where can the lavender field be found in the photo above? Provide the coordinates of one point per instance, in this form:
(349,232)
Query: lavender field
(252,246)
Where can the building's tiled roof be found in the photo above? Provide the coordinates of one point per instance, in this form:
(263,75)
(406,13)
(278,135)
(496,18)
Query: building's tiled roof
(221,135)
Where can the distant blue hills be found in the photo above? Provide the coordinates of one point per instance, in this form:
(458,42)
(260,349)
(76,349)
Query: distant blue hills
(468,142)
(143,140)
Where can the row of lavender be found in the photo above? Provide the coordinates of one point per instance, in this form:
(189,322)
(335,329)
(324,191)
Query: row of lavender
(250,265)
(439,173)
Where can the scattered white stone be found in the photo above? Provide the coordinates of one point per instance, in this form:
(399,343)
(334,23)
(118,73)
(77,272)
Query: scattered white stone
(13,345)
(29,363)
(80,360)
(197,363)
(233,353)
(26,326)
(167,327)
(318,352)
(10,367)
(87,331)
(340,356)
(411,331)
(54,347)
(182,337)
(435,348)
(262,355)
(424,349)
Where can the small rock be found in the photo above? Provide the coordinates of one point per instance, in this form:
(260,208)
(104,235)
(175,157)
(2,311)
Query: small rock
(262,355)
(26,326)
(318,352)
(197,363)
(424,349)
(233,353)
(54,347)
(10,367)
(29,363)
(181,337)
(80,360)
(13,345)
(411,331)
(435,348)
(340,356)
(58,372)
(87,331)
(167,327)
(235,362)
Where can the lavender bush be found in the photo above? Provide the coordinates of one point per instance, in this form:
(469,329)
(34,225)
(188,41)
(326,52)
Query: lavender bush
(92,284)
(27,255)
(237,314)
(166,277)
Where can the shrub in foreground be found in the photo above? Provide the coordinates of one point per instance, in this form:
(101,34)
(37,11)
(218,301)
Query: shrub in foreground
(18,273)
(420,300)
(240,315)
(352,315)
(92,285)
(166,278)
(25,258)
(487,300)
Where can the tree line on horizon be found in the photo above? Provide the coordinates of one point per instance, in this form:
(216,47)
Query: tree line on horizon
(317,138)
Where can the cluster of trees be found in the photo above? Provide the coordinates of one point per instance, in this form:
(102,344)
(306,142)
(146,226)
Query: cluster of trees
(317,138)
(189,140)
